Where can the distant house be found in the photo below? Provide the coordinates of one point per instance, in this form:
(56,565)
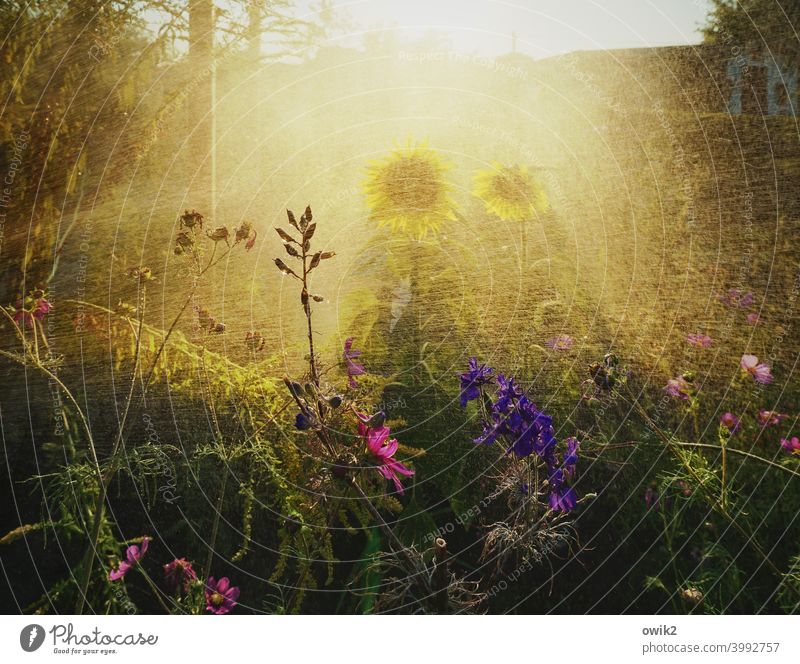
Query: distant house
(700,78)
(763,82)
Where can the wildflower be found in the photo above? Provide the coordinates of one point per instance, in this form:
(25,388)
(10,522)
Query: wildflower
(383,450)
(34,307)
(770,417)
(220,596)
(561,499)
(752,318)
(679,388)
(302,421)
(183,243)
(247,234)
(353,368)
(509,192)
(133,554)
(736,299)
(730,422)
(606,375)
(651,498)
(141,273)
(762,373)
(571,456)
(698,340)
(219,234)
(560,342)
(791,445)
(686,490)
(691,596)
(191,219)
(407,191)
(179,574)
(255,341)
(472,380)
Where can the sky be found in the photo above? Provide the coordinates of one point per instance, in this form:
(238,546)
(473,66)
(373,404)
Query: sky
(543,27)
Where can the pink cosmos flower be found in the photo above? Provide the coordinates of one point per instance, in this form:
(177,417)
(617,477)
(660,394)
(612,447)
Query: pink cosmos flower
(736,299)
(761,373)
(752,318)
(37,311)
(730,422)
(678,388)
(133,555)
(791,445)
(698,340)
(383,449)
(179,574)
(353,368)
(770,417)
(560,342)
(220,596)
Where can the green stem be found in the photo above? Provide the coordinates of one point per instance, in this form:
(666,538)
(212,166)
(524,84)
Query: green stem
(105,480)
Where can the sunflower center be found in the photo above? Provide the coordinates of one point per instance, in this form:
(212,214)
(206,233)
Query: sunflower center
(412,184)
(511,186)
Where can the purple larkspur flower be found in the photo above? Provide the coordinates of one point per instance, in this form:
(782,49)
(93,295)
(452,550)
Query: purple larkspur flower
(353,368)
(508,394)
(678,387)
(560,342)
(767,418)
(698,340)
(791,445)
(179,574)
(220,595)
(562,498)
(761,373)
(473,379)
(752,318)
(303,421)
(736,299)
(133,554)
(571,456)
(730,422)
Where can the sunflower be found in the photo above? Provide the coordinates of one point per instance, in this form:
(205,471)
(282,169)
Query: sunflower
(407,190)
(509,192)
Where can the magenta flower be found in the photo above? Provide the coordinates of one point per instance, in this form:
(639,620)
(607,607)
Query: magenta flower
(791,445)
(760,372)
(652,499)
(133,554)
(752,318)
(768,418)
(560,342)
(353,368)
(678,388)
(38,308)
(698,340)
(736,299)
(179,574)
(730,422)
(562,498)
(220,596)
(383,449)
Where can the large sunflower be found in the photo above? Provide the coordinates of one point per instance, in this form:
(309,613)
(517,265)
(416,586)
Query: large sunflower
(509,192)
(407,190)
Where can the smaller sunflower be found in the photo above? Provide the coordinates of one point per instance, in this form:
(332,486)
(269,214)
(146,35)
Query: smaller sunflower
(509,192)
(407,190)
